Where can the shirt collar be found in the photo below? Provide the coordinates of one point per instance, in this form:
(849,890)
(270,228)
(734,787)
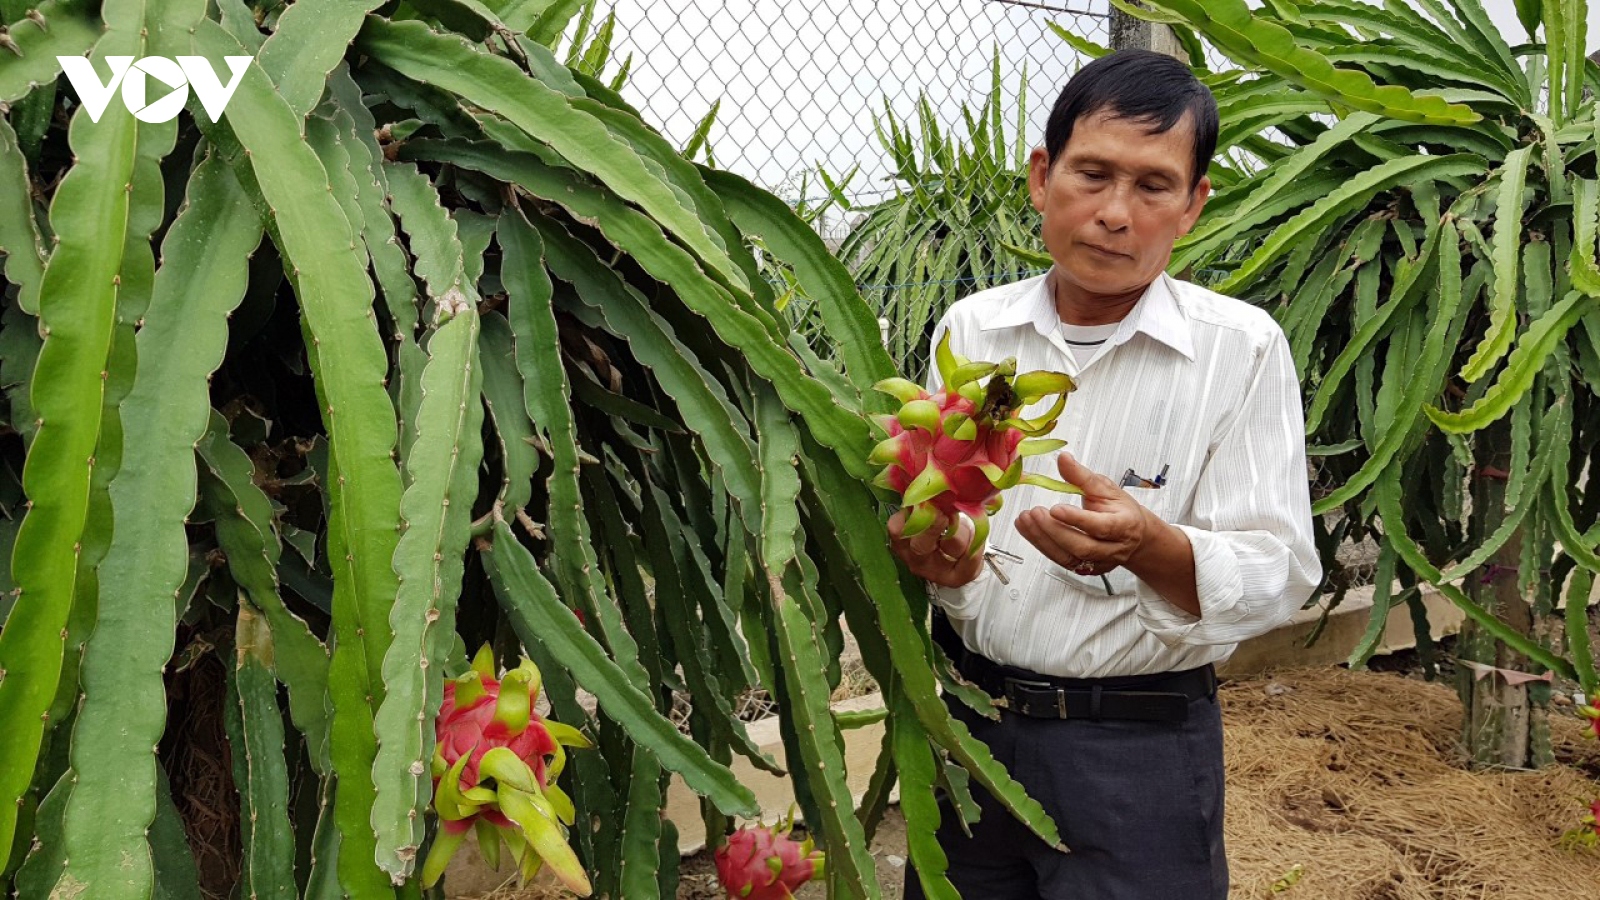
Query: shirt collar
(1159,314)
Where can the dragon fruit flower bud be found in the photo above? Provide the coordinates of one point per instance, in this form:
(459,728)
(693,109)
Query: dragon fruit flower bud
(955,451)
(766,864)
(494,769)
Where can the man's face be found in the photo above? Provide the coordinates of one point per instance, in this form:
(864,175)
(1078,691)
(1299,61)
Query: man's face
(1115,201)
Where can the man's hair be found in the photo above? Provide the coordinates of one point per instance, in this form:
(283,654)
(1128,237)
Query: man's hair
(1142,86)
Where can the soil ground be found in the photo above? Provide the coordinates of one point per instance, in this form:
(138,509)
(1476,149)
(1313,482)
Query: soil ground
(1355,781)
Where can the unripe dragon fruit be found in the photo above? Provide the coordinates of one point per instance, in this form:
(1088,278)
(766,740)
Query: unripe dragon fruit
(494,770)
(955,451)
(766,863)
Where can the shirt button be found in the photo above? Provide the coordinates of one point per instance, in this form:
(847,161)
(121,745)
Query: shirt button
(1015,593)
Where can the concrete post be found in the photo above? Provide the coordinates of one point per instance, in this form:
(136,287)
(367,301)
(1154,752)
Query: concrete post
(1127,32)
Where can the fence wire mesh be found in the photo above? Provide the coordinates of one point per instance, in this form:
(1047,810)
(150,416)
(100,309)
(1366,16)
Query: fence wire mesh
(899,129)
(802,83)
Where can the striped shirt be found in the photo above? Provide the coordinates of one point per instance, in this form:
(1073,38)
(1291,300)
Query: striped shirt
(1196,385)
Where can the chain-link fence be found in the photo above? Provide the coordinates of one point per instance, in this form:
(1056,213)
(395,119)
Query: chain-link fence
(899,128)
(801,83)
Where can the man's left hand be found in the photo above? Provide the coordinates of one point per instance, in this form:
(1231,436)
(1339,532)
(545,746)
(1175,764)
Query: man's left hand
(1104,534)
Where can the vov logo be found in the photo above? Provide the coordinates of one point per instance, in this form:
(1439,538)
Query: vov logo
(182,75)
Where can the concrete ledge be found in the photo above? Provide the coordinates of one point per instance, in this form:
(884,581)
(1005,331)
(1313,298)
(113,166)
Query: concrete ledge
(775,794)
(1285,645)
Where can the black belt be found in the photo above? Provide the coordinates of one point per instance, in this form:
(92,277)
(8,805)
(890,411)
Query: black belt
(1161,697)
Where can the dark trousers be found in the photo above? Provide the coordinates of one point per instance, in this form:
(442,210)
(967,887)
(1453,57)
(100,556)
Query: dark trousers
(1139,804)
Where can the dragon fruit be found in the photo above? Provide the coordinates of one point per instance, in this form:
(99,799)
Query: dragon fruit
(766,863)
(957,450)
(1592,713)
(494,770)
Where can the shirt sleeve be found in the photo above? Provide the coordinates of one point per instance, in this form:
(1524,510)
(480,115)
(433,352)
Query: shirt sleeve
(1255,559)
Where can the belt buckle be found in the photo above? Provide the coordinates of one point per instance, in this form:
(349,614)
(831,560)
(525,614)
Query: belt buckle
(1061,694)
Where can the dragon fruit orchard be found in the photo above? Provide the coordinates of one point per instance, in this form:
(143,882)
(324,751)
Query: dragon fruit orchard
(494,767)
(956,450)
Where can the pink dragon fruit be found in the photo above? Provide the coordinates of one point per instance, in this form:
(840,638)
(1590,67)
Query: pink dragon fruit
(955,451)
(1592,713)
(494,770)
(766,863)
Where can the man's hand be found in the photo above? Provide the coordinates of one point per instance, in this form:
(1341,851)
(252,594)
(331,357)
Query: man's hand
(932,556)
(1106,533)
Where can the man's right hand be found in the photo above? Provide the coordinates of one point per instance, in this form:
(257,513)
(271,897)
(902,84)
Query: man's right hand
(932,556)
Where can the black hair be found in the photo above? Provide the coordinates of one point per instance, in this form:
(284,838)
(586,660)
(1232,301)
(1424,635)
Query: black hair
(1143,86)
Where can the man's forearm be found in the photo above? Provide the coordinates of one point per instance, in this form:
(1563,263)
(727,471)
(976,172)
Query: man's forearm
(1165,561)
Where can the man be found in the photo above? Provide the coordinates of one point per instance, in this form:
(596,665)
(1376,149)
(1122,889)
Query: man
(1097,621)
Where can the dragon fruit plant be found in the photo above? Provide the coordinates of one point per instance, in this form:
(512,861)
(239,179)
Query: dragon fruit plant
(766,863)
(494,769)
(957,450)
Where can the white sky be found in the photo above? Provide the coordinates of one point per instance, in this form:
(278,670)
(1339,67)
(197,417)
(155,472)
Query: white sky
(801,80)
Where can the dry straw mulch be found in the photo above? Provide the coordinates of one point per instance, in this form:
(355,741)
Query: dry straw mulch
(1357,779)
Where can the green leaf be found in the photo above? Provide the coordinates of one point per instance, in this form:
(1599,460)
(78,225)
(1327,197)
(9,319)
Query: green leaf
(1421,385)
(73,30)
(308,40)
(1556,429)
(1528,13)
(176,876)
(1436,66)
(498,85)
(434,242)
(820,747)
(704,406)
(1577,624)
(389,262)
(917,767)
(102,214)
(1378,617)
(549,22)
(503,395)
(845,316)
(243,518)
(22,253)
(336,297)
(429,561)
(527,595)
(1507,250)
(1525,362)
(642,829)
(1353,195)
(1283,175)
(1389,500)
(1081,44)
(834,424)
(1583,266)
(1407,285)
(261,773)
(1231,26)
(699,138)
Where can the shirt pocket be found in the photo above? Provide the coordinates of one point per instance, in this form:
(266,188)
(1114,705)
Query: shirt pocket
(1162,500)
(1121,582)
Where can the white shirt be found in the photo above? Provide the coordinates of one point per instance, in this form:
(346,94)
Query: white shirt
(1201,384)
